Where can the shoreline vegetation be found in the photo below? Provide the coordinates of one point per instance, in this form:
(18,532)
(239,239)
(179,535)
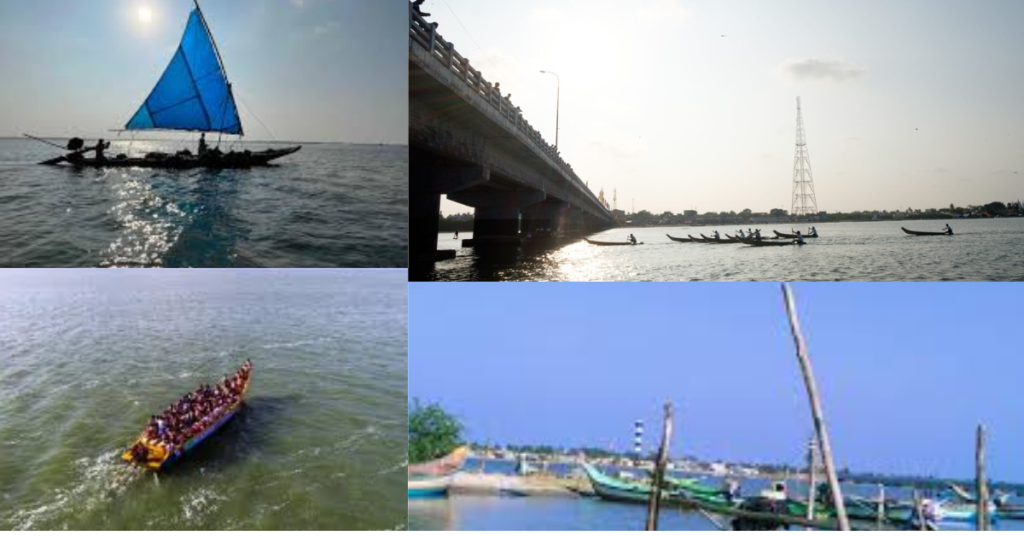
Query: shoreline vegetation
(463,222)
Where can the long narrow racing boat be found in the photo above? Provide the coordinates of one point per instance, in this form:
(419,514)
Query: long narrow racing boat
(712,240)
(924,233)
(674,239)
(763,243)
(598,243)
(787,235)
(158,456)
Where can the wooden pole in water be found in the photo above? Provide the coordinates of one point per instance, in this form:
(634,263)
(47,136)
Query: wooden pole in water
(981,495)
(816,413)
(919,510)
(812,480)
(881,506)
(654,503)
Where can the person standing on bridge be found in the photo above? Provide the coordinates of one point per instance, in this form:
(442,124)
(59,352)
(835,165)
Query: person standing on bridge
(416,8)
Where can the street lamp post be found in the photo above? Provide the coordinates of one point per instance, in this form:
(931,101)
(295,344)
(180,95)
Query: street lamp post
(558,99)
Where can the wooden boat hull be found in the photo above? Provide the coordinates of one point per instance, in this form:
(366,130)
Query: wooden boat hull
(787,235)
(228,161)
(695,239)
(423,488)
(598,243)
(610,488)
(710,240)
(674,239)
(922,233)
(761,243)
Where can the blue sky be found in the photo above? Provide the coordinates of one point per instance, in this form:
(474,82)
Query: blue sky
(907,103)
(311,70)
(906,370)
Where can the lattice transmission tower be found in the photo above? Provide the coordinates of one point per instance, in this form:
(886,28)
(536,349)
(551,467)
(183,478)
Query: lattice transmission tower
(804,202)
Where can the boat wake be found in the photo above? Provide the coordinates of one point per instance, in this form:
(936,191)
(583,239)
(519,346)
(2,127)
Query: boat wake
(97,484)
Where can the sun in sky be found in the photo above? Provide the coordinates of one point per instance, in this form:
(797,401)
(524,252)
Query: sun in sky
(145,15)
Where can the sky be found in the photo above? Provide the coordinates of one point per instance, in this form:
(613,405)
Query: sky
(906,103)
(310,70)
(906,371)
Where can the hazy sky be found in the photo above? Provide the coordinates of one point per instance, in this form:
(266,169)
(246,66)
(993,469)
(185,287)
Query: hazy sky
(656,103)
(906,370)
(311,70)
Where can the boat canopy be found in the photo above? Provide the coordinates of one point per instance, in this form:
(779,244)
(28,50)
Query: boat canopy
(194,93)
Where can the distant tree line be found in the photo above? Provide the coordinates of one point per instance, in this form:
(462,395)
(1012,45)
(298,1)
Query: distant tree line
(455,222)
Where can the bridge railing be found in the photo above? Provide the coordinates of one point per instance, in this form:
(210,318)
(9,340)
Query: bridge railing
(425,35)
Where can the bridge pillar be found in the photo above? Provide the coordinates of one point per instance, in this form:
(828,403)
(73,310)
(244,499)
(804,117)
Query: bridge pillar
(427,182)
(546,215)
(496,220)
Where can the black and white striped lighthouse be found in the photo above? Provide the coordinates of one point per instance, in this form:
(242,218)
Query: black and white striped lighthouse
(638,438)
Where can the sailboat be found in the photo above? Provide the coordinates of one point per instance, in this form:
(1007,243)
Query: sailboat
(192,95)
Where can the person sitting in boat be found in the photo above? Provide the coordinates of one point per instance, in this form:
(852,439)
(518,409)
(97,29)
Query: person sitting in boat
(757,234)
(100,147)
(203,148)
(814,232)
(717,236)
(742,236)
(799,238)
(948,229)
(632,238)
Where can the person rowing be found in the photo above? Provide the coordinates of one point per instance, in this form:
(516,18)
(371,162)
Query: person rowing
(948,229)
(742,236)
(717,236)
(632,239)
(799,238)
(757,234)
(814,232)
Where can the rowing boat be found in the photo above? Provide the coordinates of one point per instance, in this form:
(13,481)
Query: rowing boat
(678,239)
(193,95)
(159,457)
(787,235)
(433,478)
(927,233)
(597,243)
(712,240)
(696,239)
(762,243)
(610,488)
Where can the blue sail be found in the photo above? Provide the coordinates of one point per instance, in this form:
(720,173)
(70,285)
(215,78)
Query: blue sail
(193,93)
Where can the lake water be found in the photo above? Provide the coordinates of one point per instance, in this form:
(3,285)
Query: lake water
(981,250)
(87,356)
(329,205)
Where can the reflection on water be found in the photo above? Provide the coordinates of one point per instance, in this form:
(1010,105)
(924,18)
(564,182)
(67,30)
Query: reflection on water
(981,250)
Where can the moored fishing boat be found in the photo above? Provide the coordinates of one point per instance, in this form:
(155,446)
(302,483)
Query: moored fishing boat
(192,95)
(680,490)
(433,478)
(925,233)
(155,454)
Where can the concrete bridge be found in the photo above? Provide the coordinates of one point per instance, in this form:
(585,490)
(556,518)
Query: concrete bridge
(469,142)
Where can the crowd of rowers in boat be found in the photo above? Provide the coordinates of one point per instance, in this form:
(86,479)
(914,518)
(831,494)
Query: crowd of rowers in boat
(756,235)
(79,150)
(196,411)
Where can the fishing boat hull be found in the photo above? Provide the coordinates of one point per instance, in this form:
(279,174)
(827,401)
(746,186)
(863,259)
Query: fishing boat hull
(243,160)
(674,239)
(597,243)
(923,233)
(425,488)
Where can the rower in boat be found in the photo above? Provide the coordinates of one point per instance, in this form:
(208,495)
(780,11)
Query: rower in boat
(799,238)
(814,232)
(717,236)
(742,236)
(757,234)
(948,229)
(632,238)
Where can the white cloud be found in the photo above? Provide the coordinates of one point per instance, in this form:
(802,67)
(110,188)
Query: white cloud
(822,69)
